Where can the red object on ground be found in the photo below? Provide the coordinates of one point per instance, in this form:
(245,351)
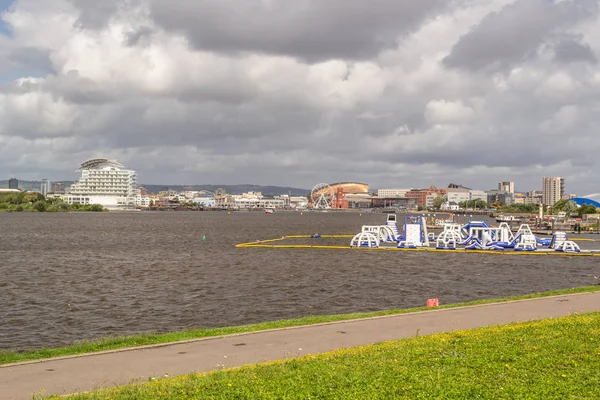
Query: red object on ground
(433,303)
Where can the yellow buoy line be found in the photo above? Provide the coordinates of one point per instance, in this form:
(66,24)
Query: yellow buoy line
(270,244)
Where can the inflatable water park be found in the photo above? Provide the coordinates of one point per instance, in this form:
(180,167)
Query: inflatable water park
(412,235)
(474,235)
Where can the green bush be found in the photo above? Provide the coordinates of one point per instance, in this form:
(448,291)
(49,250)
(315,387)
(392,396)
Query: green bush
(37,202)
(40,206)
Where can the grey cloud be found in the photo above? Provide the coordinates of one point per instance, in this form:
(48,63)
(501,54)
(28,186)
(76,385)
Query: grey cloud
(27,61)
(309,29)
(234,123)
(511,35)
(570,50)
(139,36)
(31,57)
(71,87)
(76,89)
(96,14)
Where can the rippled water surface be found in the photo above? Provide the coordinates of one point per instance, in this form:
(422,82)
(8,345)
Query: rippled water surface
(65,277)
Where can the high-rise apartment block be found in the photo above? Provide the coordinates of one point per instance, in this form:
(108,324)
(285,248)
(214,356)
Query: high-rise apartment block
(13,183)
(58,187)
(506,187)
(46,187)
(553,189)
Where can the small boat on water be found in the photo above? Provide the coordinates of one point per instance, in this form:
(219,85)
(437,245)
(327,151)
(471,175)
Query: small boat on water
(269,210)
(508,219)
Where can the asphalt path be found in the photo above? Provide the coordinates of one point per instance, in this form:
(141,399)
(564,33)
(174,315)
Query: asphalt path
(101,370)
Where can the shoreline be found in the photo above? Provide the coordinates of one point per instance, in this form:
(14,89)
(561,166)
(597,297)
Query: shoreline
(219,360)
(109,344)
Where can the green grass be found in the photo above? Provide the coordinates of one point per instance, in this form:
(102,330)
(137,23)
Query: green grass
(113,343)
(548,359)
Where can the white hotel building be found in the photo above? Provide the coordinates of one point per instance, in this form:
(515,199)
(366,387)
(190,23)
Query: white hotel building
(108,183)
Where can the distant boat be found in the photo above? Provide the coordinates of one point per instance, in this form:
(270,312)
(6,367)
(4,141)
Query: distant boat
(508,218)
(269,211)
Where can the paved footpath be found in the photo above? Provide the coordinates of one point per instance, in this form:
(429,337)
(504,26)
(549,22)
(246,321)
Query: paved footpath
(84,373)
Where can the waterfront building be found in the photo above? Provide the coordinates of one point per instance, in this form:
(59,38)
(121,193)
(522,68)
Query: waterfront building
(205,201)
(240,202)
(298,201)
(383,202)
(519,198)
(500,197)
(478,195)
(108,183)
(458,195)
(455,186)
(58,187)
(553,189)
(45,187)
(252,195)
(590,199)
(142,200)
(392,193)
(450,206)
(271,203)
(430,199)
(421,195)
(506,187)
(13,183)
(534,197)
(350,187)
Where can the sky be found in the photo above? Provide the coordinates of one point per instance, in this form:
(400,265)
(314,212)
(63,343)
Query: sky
(393,93)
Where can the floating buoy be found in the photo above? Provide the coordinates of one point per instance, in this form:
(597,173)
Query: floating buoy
(204,238)
(228,212)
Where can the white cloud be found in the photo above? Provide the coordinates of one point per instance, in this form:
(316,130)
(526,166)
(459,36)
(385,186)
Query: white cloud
(448,112)
(237,101)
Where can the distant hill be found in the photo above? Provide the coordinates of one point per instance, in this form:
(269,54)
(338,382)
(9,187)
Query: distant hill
(231,189)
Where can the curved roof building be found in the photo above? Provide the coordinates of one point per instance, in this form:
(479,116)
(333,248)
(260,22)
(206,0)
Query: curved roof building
(348,187)
(101,163)
(592,199)
(351,187)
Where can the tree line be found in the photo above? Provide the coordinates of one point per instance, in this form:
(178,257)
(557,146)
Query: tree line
(36,202)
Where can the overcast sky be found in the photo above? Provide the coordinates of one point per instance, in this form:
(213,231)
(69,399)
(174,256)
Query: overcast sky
(393,93)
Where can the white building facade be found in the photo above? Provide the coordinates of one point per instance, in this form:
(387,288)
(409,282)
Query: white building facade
(478,195)
(392,193)
(506,187)
(108,183)
(46,187)
(458,195)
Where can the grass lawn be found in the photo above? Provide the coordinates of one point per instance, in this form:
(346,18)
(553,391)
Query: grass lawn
(113,343)
(549,359)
